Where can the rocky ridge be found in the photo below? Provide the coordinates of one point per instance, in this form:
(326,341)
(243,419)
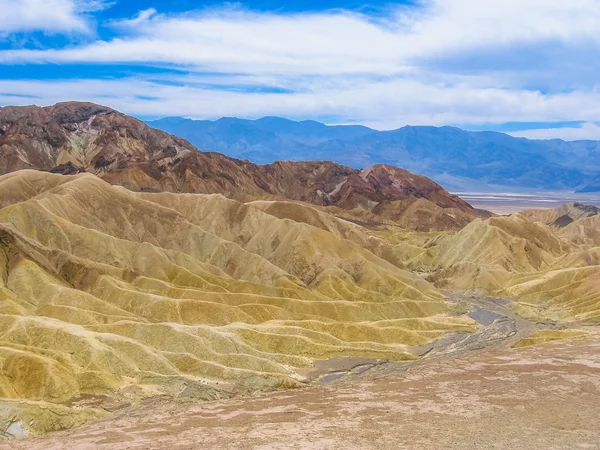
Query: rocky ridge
(70,138)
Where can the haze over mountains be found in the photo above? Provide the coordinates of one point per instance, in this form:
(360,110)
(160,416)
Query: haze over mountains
(458,159)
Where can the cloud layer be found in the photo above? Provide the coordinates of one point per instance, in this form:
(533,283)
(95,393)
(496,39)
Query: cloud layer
(587,131)
(461,62)
(52,16)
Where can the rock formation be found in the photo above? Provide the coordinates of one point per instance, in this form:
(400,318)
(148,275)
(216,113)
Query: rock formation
(115,295)
(133,265)
(70,138)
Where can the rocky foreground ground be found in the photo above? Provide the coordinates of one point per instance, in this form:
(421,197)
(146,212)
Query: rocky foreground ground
(546,396)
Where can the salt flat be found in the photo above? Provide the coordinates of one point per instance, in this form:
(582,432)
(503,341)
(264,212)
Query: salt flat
(507,203)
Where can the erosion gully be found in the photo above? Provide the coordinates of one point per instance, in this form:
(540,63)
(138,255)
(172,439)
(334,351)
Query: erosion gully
(500,328)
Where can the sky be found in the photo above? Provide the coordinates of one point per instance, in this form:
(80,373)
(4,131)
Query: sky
(526,67)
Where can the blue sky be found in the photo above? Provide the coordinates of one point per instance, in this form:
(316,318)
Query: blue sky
(527,67)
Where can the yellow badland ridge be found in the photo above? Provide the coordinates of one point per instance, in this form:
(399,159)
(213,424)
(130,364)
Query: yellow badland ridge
(149,268)
(109,296)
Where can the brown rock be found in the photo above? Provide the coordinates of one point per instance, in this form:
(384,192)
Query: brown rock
(74,137)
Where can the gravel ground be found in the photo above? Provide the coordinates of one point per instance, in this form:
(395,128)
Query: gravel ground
(529,398)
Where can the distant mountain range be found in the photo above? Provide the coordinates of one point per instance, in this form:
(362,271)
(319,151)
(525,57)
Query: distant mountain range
(460,160)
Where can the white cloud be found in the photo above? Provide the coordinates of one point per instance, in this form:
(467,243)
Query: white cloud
(467,23)
(383,105)
(55,16)
(587,131)
(334,63)
(338,42)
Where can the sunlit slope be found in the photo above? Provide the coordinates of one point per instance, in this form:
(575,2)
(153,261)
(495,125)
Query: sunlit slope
(563,215)
(20,186)
(316,217)
(550,273)
(340,268)
(486,254)
(583,232)
(564,294)
(108,292)
(570,290)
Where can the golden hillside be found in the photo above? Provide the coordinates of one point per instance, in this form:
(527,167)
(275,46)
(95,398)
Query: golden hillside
(549,273)
(109,296)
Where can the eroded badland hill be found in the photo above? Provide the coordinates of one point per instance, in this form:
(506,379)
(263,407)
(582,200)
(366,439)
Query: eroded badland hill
(140,277)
